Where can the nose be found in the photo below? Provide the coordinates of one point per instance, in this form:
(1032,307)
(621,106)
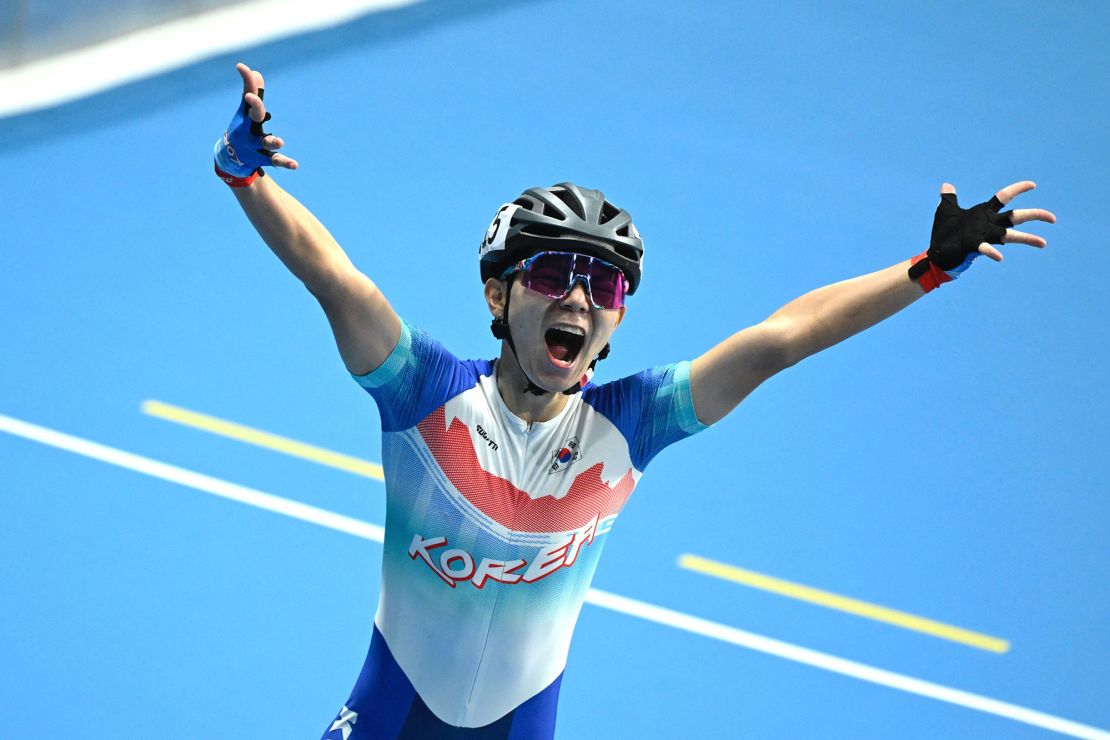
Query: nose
(576,299)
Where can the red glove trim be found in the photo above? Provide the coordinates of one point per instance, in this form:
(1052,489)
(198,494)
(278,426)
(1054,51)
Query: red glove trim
(934,277)
(238,182)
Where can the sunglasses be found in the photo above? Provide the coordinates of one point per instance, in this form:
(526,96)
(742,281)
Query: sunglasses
(554,274)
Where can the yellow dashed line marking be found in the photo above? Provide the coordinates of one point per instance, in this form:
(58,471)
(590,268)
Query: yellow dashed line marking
(842,603)
(259,438)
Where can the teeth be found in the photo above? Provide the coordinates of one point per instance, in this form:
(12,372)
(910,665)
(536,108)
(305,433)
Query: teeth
(570,329)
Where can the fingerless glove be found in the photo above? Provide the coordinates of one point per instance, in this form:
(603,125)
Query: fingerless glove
(957,234)
(239,153)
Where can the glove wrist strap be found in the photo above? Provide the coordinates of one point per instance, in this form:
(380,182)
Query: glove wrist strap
(927,275)
(239,182)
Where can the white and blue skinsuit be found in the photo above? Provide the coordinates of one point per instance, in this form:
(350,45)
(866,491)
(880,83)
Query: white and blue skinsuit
(494,527)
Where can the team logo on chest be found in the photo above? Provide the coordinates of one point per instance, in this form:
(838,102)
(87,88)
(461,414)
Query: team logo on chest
(564,457)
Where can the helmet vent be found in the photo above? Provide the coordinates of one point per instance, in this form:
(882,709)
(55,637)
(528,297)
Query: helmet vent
(608,213)
(623,231)
(552,212)
(545,230)
(570,200)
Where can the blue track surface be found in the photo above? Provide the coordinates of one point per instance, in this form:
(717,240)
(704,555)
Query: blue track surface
(944,463)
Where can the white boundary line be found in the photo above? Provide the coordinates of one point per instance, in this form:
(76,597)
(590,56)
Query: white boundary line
(824,661)
(604,599)
(151,51)
(190,479)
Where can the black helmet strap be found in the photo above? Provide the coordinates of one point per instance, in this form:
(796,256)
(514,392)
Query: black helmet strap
(500,329)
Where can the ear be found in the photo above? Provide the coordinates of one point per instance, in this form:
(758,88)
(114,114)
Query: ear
(620,316)
(495,297)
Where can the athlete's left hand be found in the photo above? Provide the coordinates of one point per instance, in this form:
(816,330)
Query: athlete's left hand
(960,235)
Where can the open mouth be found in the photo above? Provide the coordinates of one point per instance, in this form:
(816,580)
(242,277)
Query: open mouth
(563,346)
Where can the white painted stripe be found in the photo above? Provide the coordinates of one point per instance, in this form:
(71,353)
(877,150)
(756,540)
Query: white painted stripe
(824,661)
(604,599)
(151,51)
(190,479)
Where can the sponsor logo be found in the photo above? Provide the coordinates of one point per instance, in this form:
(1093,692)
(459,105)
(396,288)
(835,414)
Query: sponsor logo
(343,723)
(231,150)
(565,456)
(454,565)
(482,433)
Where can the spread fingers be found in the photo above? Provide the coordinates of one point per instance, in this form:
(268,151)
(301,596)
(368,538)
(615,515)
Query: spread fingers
(1020,237)
(1021,215)
(280,160)
(257,107)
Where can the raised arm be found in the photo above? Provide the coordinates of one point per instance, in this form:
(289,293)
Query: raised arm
(725,375)
(365,326)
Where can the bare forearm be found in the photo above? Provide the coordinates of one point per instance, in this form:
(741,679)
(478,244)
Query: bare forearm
(298,239)
(823,317)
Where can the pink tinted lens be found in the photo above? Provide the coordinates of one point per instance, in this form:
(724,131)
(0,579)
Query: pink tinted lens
(549,274)
(554,274)
(606,285)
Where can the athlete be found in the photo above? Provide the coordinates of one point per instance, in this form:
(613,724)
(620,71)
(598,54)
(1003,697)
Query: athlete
(504,477)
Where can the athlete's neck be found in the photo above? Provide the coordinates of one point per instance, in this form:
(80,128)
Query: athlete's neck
(511,384)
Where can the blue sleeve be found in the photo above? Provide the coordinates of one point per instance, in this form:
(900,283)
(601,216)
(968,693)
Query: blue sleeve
(652,409)
(418,377)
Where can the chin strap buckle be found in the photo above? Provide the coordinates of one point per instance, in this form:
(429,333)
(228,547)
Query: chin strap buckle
(589,374)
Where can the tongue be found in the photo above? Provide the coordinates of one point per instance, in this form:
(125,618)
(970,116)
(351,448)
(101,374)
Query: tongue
(563,345)
(559,351)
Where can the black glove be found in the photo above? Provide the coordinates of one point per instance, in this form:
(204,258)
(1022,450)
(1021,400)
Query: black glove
(958,232)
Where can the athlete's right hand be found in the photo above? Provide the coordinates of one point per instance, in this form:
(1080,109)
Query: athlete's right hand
(244,147)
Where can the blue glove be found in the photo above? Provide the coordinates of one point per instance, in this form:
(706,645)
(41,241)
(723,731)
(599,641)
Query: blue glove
(240,152)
